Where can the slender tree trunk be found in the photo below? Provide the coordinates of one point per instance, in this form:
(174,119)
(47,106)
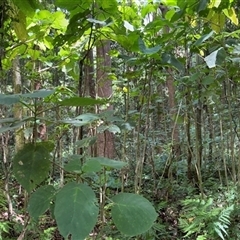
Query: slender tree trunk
(90,89)
(17,109)
(105,141)
(173,113)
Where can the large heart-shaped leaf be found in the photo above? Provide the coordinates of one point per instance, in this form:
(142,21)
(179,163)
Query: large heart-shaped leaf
(76,211)
(40,200)
(31,165)
(132,214)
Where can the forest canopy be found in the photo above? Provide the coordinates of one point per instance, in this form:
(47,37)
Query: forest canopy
(119,119)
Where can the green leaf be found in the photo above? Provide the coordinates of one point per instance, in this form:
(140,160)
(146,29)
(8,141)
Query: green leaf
(27,6)
(76,211)
(49,145)
(114,129)
(106,162)
(86,142)
(178,15)
(146,9)
(87,117)
(231,14)
(31,165)
(145,50)
(73,166)
(132,214)
(38,94)
(15,125)
(208,80)
(8,120)
(40,201)
(214,3)
(91,165)
(9,99)
(81,101)
(202,5)
(73,4)
(19,26)
(107,22)
(82,119)
(203,38)
(172,61)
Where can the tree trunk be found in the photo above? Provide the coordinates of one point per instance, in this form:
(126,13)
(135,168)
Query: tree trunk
(105,141)
(17,109)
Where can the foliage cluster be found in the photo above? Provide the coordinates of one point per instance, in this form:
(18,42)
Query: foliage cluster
(170,104)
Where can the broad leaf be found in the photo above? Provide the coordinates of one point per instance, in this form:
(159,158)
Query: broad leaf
(31,165)
(87,117)
(73,4)
(81,101)
(9,99)
(91,165)
(8,120)
(106,162)
(202,5)
(203,38)
(73,166)
(19,26)
(86,142)
(214,3)
(76,211)
(40,201)
(169,59)
(27,6)
(132,214)
(38,94)
(145,50)
(231,14)
(114,129)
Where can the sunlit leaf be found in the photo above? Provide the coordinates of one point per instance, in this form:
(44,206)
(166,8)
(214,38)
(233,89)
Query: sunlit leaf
(212,59)
(214,3)
(128,26)
(103,23)
(27,6)
(231,14)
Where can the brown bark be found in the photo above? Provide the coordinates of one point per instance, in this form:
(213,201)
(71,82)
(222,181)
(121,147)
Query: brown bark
(105,141)
(17,110)
(173,112)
